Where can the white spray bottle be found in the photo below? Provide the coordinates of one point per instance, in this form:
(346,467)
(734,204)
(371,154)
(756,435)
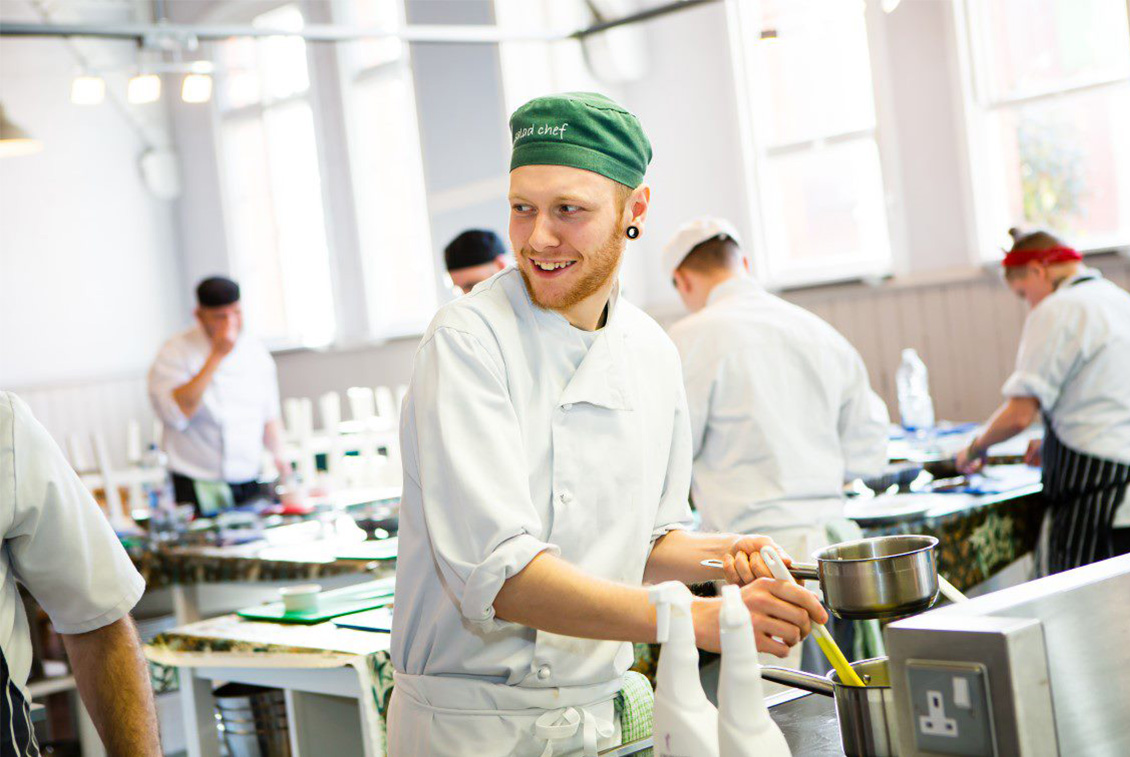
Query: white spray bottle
(686,723)
(744,726)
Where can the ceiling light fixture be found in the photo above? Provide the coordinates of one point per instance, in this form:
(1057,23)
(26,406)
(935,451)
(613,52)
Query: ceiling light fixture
(88,90)
(143,89)
(14,140)
(197,88)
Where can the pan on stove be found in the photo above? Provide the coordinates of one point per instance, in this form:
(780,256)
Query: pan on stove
(883,577)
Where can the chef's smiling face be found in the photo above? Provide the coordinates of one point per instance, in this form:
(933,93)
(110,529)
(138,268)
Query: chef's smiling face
(567,231)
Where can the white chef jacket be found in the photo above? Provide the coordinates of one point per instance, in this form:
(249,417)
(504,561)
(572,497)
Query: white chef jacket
(1074,359)
(56,541)
(223,440)
(781,412)
(519,438)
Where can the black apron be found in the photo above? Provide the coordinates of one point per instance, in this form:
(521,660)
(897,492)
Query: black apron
(1083,494)
(17,736)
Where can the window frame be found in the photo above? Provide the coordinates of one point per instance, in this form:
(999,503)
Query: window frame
(757,154)
(979,105)
(349,77)
(256,111)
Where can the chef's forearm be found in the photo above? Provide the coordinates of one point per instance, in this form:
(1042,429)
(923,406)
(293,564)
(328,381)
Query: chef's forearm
(273,438)
(1015,415)
(190,395)
(113,681)
(552,595)
(678,556)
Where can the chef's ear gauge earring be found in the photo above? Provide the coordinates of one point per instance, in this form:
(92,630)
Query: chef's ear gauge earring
(633,232)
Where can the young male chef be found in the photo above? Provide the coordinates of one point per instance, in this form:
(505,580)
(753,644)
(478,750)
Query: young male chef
(216,392)
(473,257)
(1073,366)
(546,468)
(780,407)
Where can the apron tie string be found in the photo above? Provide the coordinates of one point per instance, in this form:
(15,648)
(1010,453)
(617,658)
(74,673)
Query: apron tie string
(557,725)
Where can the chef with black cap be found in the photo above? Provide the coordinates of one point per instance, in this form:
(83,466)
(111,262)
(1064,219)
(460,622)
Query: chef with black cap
(474,256)
(217,393)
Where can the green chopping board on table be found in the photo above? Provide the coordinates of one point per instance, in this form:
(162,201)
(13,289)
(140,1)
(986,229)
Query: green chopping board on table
(382,549)
(331,604)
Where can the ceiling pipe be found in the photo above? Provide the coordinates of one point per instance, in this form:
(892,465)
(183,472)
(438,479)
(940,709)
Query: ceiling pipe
(424,34)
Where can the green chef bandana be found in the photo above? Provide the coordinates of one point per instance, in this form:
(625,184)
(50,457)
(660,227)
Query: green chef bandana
(581,130)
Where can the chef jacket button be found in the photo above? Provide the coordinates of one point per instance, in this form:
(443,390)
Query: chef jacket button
(567,406)
(565,498)
(544,672)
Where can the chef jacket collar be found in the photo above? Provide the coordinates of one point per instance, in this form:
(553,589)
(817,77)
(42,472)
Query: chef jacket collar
(733,287)
(1083,273)
(602,377)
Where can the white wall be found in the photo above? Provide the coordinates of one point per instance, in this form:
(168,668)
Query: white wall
(89,282)
(686,102)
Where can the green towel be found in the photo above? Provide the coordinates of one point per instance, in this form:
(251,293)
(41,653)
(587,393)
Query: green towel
(868,633)
(635,704)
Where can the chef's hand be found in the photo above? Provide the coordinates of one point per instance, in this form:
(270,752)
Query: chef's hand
(283,467)
(1033,457)
(743,564)
(223,341)
(971,459)
(782,614)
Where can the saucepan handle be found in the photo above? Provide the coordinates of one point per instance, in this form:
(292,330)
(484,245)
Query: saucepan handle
(805,571)
(801,571)
(798,679)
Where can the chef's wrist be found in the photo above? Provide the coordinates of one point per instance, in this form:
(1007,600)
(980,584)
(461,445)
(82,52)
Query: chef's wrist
(704,616)
(975,451)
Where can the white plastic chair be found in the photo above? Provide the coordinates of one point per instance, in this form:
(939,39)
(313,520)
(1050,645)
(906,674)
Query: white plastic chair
(119,517)
(298,413)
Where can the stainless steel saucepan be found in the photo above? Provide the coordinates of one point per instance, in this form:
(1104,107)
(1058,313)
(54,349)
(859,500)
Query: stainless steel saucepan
(868,726)
(882,577)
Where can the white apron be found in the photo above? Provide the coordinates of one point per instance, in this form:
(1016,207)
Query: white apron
(451,717)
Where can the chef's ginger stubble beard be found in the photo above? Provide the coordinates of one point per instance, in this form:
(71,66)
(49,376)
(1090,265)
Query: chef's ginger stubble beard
(603,263)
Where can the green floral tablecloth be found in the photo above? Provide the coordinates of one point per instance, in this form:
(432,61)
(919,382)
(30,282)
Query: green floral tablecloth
(230,641)
(976,543)
(168,566)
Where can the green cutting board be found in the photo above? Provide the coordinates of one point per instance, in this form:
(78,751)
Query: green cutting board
(331,604)
(382,549)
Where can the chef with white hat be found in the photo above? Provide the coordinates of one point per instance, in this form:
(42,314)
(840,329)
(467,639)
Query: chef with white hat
(780,406)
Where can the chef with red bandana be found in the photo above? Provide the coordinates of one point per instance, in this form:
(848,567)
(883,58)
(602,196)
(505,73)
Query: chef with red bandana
(1073,367)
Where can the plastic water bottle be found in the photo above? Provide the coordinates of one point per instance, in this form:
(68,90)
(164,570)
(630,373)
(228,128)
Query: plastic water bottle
(916,408)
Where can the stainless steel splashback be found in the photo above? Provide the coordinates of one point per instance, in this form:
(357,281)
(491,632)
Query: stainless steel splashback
(1084,617)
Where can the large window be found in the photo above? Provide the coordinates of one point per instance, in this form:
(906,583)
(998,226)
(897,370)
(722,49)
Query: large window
(1047,85)
(401,285)
(804,72)
(272,185)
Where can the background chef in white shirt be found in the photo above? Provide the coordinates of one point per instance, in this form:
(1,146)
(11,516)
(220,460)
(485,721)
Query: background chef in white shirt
(473,257)
(59,545)
(546,468)
(780,407)
(216,391)
(1073,366)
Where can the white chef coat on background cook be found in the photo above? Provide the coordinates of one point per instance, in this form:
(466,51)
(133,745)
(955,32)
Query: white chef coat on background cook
(781,413)
(56,541)
(223,440)
(522,434)
(1074,359)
